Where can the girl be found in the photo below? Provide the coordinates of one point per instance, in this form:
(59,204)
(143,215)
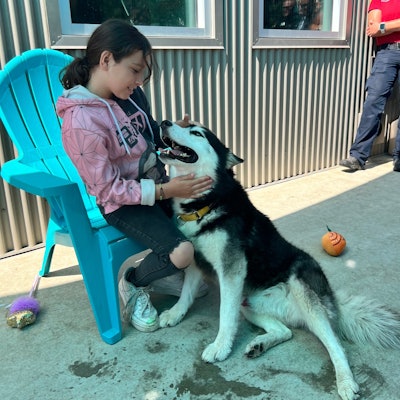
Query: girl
(111,138)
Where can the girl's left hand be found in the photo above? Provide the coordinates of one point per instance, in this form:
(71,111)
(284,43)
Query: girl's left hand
(185,121)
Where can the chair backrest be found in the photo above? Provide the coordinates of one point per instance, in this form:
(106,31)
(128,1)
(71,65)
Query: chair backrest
(29,89)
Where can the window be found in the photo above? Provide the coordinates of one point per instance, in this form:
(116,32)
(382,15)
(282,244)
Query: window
(167,23)
(157,13)
(301,23)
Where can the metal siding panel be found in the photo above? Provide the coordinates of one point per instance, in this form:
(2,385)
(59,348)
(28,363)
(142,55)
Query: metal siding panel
(25,220)
(285,111)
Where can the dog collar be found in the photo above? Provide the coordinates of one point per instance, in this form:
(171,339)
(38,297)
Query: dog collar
(196,215)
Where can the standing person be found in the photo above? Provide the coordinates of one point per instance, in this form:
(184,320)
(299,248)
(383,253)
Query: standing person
(289,16)
(384,26)
(306,10)
(111,138)
(317,16)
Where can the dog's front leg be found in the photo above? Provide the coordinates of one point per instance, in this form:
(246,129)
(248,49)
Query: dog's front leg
(190,287)
(231,289)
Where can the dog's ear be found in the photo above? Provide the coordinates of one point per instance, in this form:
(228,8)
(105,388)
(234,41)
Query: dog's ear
(232,160)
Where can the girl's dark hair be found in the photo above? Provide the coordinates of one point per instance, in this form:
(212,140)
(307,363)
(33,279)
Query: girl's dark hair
(118,37)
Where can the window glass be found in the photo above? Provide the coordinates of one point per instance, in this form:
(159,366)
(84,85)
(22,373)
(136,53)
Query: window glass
(295,14)
(169,23)
(150,12)
(308,22)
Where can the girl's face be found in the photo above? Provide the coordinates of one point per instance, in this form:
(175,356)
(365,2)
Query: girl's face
(126,75)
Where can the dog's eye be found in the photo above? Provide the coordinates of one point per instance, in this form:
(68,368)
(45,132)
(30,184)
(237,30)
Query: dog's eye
(196,133)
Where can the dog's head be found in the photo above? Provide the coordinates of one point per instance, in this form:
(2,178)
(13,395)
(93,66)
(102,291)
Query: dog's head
(194,149)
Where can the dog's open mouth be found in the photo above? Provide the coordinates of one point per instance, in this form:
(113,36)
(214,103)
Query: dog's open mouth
(177,152)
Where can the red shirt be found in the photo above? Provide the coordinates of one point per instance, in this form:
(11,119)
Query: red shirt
(390,10)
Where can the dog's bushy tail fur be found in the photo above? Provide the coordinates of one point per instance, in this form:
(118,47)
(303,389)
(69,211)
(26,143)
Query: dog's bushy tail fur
(366,321)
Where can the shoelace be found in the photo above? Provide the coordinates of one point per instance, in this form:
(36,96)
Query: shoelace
(130,305)
(144,302)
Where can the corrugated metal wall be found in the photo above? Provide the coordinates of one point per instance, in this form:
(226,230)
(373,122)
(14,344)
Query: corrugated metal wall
(285,111)
(23,218)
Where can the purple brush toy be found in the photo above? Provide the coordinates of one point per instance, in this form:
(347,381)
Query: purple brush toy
(23,311)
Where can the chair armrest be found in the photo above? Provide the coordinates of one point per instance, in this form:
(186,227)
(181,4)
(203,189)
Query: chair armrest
(33,181)
(64,197)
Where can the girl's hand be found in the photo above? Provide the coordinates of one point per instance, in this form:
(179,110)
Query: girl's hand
(187,186)
(185,121)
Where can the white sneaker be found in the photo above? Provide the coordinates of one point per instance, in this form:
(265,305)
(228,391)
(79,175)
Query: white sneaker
(138,309)
(172,285)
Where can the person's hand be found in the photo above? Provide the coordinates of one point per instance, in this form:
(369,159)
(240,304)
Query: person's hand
(187,186)
(373,29)
(184,122)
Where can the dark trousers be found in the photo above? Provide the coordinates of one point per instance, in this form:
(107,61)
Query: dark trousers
(380,84)
(153,227)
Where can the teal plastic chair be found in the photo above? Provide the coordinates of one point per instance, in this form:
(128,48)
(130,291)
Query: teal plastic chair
(29,88)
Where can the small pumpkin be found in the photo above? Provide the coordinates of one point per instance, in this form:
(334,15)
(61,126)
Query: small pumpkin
(333,243)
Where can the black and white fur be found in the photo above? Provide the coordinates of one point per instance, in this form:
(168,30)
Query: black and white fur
(274,284)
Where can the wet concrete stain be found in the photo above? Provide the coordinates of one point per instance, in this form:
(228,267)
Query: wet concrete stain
(323,380)
(86,369)
(206,379)
(370,380)
(153,375)
(202,326)
(157,347)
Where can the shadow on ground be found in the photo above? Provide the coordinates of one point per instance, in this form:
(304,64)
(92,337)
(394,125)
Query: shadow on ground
(62,356)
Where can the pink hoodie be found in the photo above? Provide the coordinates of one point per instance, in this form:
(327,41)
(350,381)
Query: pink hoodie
(108,148)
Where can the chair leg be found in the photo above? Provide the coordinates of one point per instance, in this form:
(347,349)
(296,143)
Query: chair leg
(100,278)
(102,290)
(50,244)
(103,296)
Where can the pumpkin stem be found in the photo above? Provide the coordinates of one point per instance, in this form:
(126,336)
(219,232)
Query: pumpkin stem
(327,227)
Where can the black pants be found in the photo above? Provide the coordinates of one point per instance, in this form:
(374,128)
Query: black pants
(153,227)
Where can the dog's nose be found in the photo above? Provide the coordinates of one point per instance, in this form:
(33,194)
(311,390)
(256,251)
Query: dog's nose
(165,124)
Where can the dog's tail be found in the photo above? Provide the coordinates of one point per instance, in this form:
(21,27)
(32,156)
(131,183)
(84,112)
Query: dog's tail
(366,321)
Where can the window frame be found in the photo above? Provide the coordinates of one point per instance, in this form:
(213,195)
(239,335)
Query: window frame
(209,36)
(280,38)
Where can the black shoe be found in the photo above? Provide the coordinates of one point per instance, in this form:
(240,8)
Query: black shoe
(396,164)
(351,163)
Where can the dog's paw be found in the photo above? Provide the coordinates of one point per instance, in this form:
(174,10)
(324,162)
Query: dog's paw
(255,348)
(171,318)
(348,389)
(216,352)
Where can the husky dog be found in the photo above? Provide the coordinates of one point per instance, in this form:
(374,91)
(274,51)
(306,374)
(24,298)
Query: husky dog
(275,284)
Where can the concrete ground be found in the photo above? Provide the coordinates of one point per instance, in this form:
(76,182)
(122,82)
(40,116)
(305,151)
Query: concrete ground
(61,355)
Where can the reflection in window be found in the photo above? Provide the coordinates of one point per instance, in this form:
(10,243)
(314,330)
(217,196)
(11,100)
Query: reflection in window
(139,12)
(297,14)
